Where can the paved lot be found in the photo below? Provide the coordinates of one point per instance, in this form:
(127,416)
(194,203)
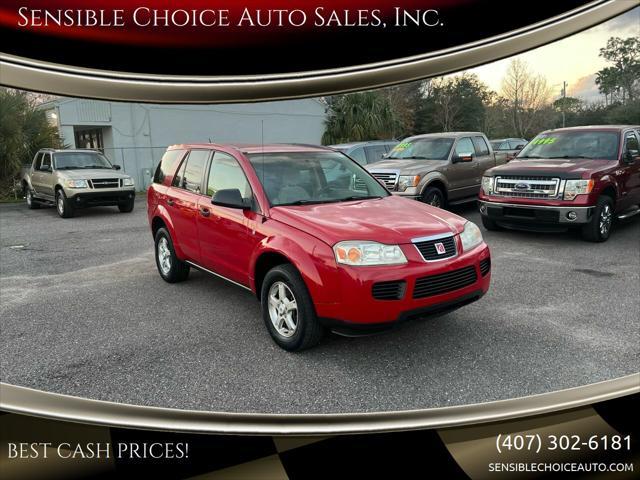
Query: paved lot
(84,312)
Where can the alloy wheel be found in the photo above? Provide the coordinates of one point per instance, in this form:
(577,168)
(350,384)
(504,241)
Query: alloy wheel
(605,220)
(29,198)
(283,309)
(164,256)
(60,204)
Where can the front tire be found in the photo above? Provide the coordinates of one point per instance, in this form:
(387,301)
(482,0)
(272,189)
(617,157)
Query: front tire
(434,196)
(599,228)
(63,205)
(170,267)
(32,203)
(126,207)
(288,311)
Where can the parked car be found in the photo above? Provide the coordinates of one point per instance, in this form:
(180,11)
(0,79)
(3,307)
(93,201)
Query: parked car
(73,179)
(366,152)
(438,168)
(506,149)
(580,176)
(341,254)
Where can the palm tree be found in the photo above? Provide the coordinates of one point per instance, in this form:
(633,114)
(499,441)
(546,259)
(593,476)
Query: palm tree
(360,116)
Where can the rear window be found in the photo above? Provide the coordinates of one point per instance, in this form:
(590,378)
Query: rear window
(481,146)
(167,164)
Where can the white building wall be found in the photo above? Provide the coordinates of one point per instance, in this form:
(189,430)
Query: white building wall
(136,135)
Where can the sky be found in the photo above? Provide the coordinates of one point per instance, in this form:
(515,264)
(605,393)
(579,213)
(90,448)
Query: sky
(574,59)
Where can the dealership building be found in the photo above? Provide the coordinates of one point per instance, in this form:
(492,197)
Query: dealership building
(135,135)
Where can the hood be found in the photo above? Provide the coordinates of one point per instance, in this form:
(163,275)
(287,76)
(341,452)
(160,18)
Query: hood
(92,173)
(562,168)
(390,220)
(408,167)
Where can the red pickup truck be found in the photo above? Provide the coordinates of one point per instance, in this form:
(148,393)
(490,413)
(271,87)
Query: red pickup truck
(581,176)
(314,236)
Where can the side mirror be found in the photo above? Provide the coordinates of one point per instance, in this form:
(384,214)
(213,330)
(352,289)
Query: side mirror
(520,147)
(229,197)
(45,168)
(465,157)
(116,167)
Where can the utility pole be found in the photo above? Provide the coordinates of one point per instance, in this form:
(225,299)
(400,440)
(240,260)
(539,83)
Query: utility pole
(564,100)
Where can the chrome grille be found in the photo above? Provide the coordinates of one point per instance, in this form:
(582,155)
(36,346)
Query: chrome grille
(527,187)
(105,183)
(389,179)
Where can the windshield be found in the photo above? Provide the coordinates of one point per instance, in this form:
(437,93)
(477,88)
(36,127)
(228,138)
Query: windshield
(423,149)
(301,178)
(573,144)
(73,160)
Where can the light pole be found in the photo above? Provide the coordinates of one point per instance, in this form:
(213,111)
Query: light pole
(564,98)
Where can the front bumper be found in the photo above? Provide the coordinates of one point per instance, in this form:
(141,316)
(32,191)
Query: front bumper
(518,214)
(358,309)
(83,199)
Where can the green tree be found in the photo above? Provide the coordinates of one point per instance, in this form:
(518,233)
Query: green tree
(24,129)
(360,116)
(624,54)
(453,104)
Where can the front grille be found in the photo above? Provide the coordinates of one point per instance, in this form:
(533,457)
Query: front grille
(485,266)
(429,250)
(389,290)
(388,178)
(106,183)
(444,282)
(527,187)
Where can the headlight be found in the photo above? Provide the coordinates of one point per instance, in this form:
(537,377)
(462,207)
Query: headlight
(127,182)
(573,188)
(471,236)
(368,253)
(77,184)
(487,185)
(406,181)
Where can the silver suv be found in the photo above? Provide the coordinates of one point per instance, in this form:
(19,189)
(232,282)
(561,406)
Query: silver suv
(73,179)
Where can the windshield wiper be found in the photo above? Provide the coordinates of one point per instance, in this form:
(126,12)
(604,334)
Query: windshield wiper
(569,156)
(530,156)
(305,202)
(96,166)
(358,197)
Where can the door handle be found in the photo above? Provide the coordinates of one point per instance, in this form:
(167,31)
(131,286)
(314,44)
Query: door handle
(170,202)
(204,212)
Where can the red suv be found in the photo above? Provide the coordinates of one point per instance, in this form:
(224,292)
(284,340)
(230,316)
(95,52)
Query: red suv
(318,240)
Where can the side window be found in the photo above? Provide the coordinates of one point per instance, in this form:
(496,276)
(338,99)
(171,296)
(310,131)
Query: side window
(375,153)
(359,156)
(481,146)
(464,147)
(226,173)
(46,161)
(167,164)
(38,162)
(191,171)
(631,143)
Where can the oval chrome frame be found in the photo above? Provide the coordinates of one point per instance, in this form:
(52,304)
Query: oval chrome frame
(29,74)
(55,406)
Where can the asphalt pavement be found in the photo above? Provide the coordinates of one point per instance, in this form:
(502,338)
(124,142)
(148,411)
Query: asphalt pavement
(84,312)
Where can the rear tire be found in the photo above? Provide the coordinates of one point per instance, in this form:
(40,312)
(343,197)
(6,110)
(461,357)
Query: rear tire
(489,224)
(599,228)
(126,207)
(434,196)
(170,267)
(32,203)
(63,205)
(288,311)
